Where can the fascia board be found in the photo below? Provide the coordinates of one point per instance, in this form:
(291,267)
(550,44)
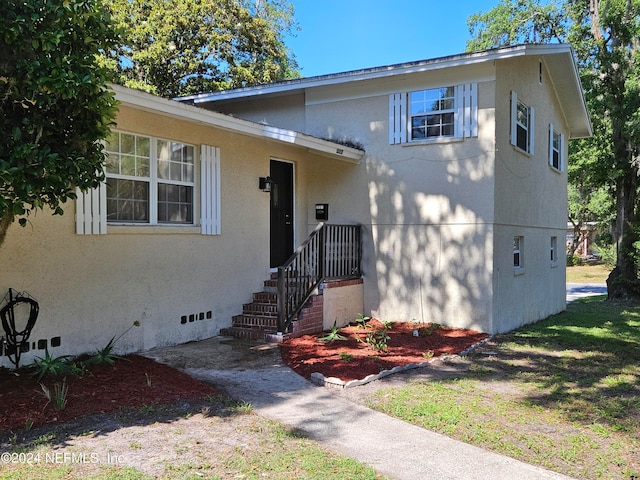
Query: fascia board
(172,108)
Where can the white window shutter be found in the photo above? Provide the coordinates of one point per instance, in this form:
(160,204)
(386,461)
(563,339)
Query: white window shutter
(514,118)
(210,190)
(397,118)
(532,133)
(470,109)
(561,150)
(551,144)
(91,211)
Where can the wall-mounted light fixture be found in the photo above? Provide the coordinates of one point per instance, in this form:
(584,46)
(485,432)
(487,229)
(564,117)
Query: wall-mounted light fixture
(264,184)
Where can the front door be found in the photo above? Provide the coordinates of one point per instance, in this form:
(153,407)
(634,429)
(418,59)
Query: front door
(281,174)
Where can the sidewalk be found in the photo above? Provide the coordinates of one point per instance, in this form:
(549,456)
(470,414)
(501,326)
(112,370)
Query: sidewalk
(254,373)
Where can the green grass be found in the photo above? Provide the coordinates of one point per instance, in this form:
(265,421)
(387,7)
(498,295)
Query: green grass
(263,449)
(596,273)
(563,394)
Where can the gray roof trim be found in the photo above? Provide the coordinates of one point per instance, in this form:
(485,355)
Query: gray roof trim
(559,59)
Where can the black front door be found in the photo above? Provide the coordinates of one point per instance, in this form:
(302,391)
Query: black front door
(281,212)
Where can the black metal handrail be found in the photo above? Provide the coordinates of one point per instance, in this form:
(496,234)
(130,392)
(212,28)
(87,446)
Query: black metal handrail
(330,252)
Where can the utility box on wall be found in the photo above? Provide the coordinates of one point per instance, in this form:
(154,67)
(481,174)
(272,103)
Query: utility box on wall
(322,211)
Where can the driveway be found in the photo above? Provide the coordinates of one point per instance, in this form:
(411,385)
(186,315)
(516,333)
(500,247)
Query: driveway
(579,290)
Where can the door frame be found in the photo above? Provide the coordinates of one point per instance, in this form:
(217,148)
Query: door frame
(293,202)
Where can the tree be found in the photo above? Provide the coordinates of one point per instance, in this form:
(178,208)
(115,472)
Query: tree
(178,47)
(606,37)
(55,104)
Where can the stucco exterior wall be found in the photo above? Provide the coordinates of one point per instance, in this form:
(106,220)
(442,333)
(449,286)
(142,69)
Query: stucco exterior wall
(530,202)
(426,209)
(93,287)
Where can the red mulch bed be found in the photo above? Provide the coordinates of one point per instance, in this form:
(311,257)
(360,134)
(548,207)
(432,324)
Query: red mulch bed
(103,388)
(308,354)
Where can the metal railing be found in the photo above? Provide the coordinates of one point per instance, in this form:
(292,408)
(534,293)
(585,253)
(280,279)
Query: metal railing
(331,252)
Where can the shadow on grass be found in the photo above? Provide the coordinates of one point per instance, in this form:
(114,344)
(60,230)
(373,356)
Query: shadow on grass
(584,362)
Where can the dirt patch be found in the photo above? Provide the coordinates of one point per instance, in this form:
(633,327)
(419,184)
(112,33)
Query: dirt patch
(358,353)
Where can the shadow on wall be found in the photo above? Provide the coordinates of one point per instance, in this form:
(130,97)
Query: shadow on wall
(432,240)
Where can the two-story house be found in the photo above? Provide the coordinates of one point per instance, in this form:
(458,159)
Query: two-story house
(455,169)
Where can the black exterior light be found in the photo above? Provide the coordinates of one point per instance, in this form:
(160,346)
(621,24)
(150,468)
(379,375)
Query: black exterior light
(264,184)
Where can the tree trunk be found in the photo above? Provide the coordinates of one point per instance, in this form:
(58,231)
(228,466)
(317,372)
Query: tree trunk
(623,280)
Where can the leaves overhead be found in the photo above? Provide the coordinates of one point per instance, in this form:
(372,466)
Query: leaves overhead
(55,104)
(178,47)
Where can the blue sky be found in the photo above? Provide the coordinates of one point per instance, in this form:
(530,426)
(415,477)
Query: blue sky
(342,35)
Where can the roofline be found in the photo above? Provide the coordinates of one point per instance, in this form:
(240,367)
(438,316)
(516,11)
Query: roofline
(369,73)
(297,85)
(162,106)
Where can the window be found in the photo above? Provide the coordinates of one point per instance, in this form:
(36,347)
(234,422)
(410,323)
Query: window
(556,147)
(149,180)
(522,125)
(435,113)
(432,113)
(518,244)
(554,250)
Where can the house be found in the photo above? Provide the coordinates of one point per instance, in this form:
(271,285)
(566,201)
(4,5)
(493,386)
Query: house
(453,169)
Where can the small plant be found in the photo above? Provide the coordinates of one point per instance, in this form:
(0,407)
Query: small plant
(334,334)
(362,321)
(106,355)
(242,408)
(347,357)
(54,366)
(429,329)
(377,340)
(58,398)
(428,354)
(388,325)
(146,375)
(28,424)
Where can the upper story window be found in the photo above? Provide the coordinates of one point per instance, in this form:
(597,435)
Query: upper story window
(518,245)
(432,113)
(149,180)
(522,125)
(435,113)
(556,148)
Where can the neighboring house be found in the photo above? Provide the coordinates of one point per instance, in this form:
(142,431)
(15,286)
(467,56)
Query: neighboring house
(455,168)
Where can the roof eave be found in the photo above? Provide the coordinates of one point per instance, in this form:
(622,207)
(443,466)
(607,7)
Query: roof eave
(162,106)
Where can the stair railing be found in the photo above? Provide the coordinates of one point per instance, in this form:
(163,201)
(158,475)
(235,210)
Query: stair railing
(331,252)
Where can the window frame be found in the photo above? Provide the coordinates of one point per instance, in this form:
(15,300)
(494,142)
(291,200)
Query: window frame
(518,252)
(556,149)
(517,126)
(447,94)
(553,249)
(154,180)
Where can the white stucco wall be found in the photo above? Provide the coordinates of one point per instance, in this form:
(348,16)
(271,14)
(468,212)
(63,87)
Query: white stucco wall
(531,201)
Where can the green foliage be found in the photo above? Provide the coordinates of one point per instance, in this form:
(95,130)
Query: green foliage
(377,340)
(105,354)
(347,357)
(58,398)
(362,321)
(55,366)
(55,103)
(178,47)
(334,334)
(606,39)
(429,329)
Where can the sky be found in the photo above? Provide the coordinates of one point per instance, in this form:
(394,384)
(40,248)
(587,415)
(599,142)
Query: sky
(342,35)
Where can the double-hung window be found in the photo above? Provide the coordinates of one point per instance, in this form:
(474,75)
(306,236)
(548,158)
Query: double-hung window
(522,125)
(556,140)
(518,246)
(554,251)
(434,113)
(149,180)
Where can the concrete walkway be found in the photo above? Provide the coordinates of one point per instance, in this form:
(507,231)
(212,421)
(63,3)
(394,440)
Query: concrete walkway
(580,290)
(254,373)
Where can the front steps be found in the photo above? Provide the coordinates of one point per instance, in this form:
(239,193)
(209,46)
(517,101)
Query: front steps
(258,319)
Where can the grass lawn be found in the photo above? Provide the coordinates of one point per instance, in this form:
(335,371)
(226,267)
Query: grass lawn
(563,394)
(597,273)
